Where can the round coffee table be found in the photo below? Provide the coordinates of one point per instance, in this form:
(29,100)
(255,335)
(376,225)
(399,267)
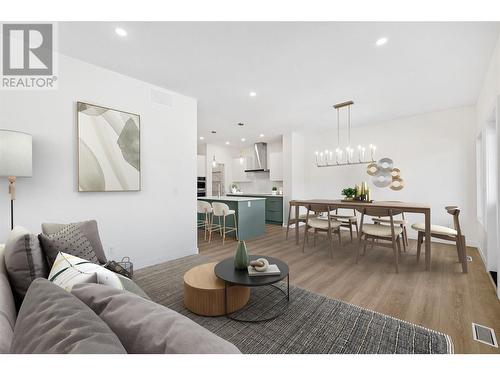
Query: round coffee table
(207,295)
(225,271)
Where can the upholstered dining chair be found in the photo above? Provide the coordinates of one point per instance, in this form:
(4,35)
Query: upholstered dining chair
(347,221)
(294,220)
(222,210)
(328,224)
(444,233)
(205,209)
(403,223)
(389,233)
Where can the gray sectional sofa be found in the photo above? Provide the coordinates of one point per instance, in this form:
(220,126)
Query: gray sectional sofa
(95,318)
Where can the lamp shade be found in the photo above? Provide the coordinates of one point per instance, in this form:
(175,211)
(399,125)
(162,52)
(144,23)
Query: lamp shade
(15,154)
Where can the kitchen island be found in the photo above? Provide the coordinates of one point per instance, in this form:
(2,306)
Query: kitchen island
(274,206)
(250,215)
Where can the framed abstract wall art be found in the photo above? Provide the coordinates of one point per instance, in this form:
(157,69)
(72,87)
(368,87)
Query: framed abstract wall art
(109,157)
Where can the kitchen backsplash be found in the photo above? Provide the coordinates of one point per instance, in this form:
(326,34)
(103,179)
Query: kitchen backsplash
(259,184)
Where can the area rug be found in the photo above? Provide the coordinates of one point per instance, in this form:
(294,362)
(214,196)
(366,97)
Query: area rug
(311,323)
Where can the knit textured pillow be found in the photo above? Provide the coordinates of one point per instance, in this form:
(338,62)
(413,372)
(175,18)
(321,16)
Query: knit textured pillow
(70,240)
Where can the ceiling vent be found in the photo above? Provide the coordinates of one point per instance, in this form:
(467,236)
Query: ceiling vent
(483,334)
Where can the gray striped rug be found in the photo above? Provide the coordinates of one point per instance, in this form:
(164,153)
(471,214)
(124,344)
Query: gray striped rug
(311,324)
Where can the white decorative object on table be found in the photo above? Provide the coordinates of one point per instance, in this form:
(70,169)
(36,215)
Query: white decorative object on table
(260,265)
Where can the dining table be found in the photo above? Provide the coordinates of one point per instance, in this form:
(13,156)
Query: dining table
(359,205)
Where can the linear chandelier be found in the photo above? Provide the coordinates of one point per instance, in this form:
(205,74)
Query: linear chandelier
(340,156)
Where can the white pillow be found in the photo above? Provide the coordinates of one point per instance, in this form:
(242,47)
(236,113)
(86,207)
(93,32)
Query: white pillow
(69,270)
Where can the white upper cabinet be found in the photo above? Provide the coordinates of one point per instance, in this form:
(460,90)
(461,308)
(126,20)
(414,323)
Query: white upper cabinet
(202,166)
(239,174)
(276,166)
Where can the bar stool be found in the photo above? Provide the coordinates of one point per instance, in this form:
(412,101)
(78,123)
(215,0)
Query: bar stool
(204,208)
(301,219)
(222,210)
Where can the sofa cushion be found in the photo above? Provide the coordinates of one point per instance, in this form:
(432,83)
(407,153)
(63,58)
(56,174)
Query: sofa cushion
(7,308)
(130,286)
(147,327)
(69,270)
(52,321)
(80,239)
(24,260)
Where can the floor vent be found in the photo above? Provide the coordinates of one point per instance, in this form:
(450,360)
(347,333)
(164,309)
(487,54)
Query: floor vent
(469,258)
(484,334)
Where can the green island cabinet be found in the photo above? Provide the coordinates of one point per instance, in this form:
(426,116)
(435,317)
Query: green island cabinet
(250,215)
(274,207)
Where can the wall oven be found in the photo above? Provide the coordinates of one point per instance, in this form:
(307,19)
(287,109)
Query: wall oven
(201,186)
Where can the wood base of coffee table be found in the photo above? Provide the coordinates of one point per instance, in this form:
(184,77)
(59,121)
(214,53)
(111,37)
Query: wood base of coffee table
(204,292)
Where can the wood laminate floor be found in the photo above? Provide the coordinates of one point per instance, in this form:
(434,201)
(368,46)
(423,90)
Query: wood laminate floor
(444,299)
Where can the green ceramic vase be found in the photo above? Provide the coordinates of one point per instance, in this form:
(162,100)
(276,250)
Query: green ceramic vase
(241,259)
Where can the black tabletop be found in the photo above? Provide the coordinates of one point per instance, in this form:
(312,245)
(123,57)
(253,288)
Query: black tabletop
(225,270)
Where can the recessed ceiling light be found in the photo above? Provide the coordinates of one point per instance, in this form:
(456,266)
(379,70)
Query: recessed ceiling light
(381,42)
(202,138)
(243,139)
(121,32)
(227,142)
(261,135)
(252,94)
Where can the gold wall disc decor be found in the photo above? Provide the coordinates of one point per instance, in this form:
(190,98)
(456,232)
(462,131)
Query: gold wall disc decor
(397,183)
(371,169)
(395,172)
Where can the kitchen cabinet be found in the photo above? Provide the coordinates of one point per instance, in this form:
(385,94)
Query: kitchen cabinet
(274,210)
(276,166)
(274,206)
(202,166)
(239,174)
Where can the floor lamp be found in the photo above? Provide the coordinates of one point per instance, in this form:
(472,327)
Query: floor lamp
(15,161)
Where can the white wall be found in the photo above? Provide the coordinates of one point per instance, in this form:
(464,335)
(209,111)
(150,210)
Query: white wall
(153,225)
(432,150)
(486,108)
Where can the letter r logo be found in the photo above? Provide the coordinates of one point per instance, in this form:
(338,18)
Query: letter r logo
(27,49)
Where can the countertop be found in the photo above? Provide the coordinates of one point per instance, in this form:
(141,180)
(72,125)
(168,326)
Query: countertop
(231,198)
(255,195)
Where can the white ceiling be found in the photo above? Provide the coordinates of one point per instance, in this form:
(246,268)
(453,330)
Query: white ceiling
(298,70)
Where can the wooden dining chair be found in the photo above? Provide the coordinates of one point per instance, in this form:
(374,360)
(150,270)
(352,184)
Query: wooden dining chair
(347,221)
(390,233)
(403,223)
(328,224)
(444,233)
(294,220)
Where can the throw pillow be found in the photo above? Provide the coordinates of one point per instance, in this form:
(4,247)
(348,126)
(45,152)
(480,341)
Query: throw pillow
(52,321)
(24,260)
(69,270)
(88,229)
(70,239)
(147,327)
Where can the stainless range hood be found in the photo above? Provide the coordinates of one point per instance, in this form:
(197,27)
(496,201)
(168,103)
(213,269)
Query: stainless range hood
(259,158)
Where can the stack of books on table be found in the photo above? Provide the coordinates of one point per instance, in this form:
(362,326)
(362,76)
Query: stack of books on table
(272,270)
